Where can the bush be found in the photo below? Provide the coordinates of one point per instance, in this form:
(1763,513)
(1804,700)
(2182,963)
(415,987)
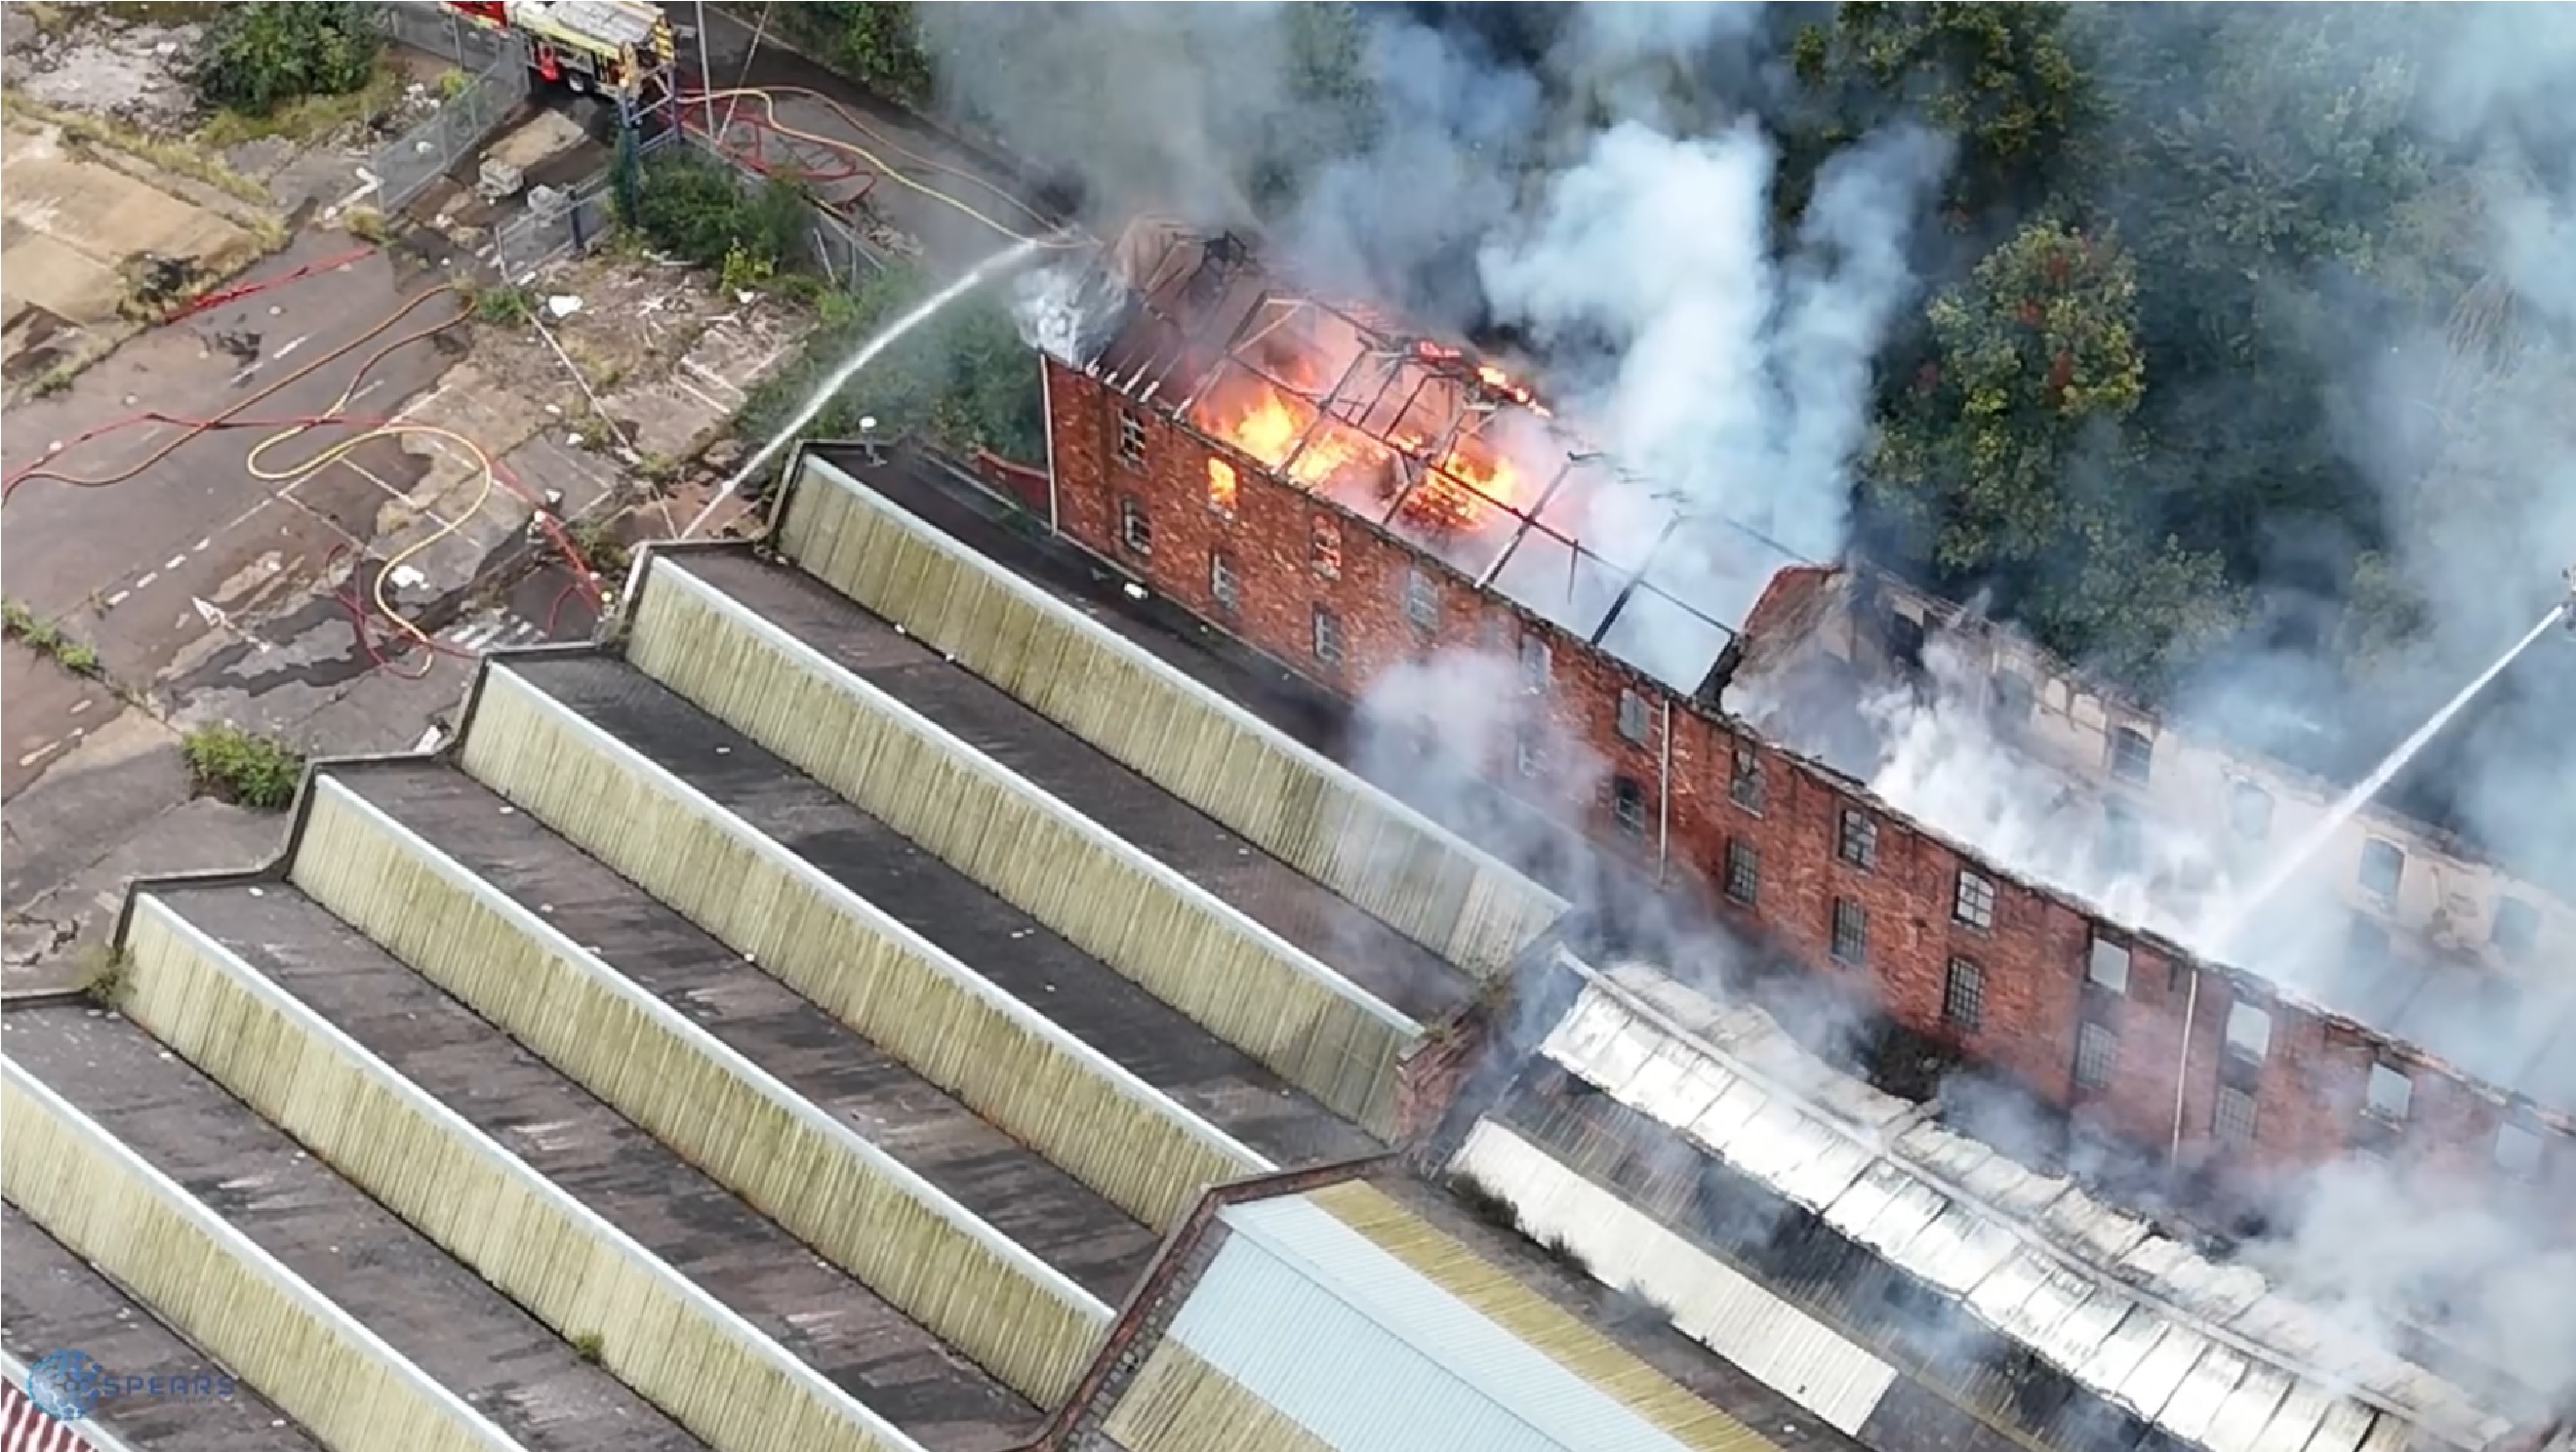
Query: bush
(876,43)
(47,639)
(695,208)
(261,55)
(243,767)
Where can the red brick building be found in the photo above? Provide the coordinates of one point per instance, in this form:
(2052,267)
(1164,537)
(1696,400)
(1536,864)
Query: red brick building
(1347,501)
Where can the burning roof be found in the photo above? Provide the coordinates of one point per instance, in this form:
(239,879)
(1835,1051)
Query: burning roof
(1436,445)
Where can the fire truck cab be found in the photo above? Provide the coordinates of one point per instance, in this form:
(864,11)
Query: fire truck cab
(620,49)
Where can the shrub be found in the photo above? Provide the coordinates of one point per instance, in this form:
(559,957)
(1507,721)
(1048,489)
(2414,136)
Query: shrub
(243,767)
(47,639)
(695,208)
(263,54)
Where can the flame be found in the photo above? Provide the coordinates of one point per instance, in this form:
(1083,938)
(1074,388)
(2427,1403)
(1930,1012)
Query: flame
(1456,491)
(1222,485)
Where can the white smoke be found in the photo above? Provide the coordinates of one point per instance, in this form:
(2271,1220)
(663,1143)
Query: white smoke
(1734,378)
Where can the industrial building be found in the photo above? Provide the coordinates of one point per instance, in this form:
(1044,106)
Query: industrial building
(894,994)
(1359,506)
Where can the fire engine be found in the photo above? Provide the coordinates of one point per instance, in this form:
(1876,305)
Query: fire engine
(619,49)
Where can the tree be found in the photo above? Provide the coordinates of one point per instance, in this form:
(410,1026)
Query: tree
(964,379)
(877,43)
(1999,78)
(2034,361)
(262,55)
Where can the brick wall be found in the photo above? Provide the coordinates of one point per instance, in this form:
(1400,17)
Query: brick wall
(1287,555)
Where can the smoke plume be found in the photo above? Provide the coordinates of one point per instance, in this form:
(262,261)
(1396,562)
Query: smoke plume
(1600,187)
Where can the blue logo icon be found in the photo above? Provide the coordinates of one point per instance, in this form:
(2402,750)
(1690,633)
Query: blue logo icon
(66,1385)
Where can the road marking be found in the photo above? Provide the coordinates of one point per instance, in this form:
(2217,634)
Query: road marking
(281,353)
(117,599)
(203,543)
(146,582)
(177,560)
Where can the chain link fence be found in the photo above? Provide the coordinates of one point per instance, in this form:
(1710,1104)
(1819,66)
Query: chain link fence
(555,224)
(834,245)
(498,70)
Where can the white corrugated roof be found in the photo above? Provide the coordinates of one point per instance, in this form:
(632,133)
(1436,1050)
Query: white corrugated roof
(2209,1352)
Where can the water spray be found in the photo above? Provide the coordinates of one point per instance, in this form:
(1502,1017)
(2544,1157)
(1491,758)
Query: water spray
(867,353)
(2221,938)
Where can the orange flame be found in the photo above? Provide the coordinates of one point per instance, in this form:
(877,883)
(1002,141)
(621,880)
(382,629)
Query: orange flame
(1268,423)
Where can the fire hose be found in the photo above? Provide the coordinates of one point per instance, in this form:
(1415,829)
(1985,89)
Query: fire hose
(767,97)
(493,475)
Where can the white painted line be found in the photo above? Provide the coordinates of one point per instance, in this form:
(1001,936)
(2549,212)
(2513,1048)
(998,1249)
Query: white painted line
(146,582)
(176,561)
(281,353)
(117,599)
(203,543)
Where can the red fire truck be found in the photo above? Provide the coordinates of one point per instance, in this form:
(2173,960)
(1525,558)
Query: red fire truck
(620,49)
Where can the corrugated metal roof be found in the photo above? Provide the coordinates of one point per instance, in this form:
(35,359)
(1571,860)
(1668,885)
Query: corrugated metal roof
(1322,1324)
(2209,1353)
(1707,1300)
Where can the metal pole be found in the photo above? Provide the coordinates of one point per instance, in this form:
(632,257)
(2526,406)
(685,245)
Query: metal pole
(1046,403)
(2182,1070)
(1664,801)
(706,71)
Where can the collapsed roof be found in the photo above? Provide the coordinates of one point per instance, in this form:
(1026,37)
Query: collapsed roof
(1434,444)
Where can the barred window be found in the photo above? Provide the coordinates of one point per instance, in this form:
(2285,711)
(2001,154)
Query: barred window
(1328,636)
(2233,1121)
(1963,995)
(2097,1053)
(1975,900)
(1745,786)
(1131,441)
(1851,932)
(1135,527)
(1632,717)
(1223,585)
(1743,872)
(1859,839)
(1421,600)
(1628,803)
(2133,756)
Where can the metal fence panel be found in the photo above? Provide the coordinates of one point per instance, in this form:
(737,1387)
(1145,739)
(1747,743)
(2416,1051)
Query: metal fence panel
(575,223)
(405,166)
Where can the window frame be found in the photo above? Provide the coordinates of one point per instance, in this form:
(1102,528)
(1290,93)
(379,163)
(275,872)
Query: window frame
(1132,440)
(1324,547)
(1747,782)
(1421,600)
(1848,922)
(1135,527)
(1974,909)
(2377,851)
(2091,1036)
(1963,983)
(2235,1129)
(2383,1072)
(1630,700)
(2098,952)
(1225,586)
(2131,755)
(1856,838)
(1325,636)
(1743,868)
(1628,804)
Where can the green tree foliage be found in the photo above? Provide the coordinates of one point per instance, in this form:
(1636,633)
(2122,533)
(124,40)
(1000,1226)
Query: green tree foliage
(963,380)
(698,209)
(874,42)
(261,55)
(1998,77)
(2035,360)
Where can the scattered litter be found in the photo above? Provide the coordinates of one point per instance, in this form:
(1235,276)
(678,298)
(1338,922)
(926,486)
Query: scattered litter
(556,409)
(1135,591)
(563,305)
(405,577)
(573,439)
